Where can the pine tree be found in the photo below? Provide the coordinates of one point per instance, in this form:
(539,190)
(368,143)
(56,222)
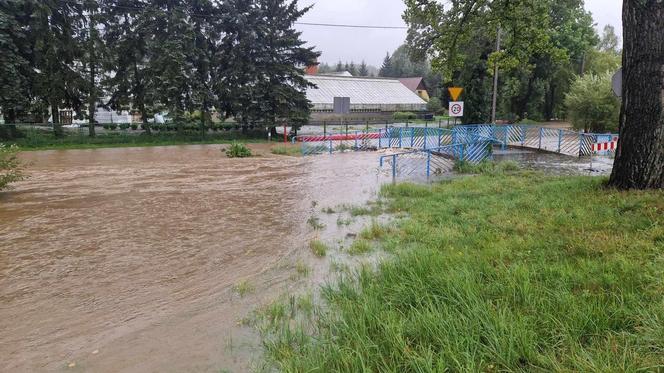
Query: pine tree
(364,71)
(386,69)
(126,35)
(15,72)
(56,53)
(340,67)
(352,69)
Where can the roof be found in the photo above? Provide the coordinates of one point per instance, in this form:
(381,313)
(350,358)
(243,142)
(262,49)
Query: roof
(362,91)
(413,83)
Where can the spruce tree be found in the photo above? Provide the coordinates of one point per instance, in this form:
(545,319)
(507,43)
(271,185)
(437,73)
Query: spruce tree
(364,71)
(386,69)
(15,71)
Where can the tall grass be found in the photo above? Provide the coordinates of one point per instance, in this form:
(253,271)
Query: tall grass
(508,273)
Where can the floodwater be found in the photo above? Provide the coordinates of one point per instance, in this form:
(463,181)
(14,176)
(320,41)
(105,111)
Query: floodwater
(125,259)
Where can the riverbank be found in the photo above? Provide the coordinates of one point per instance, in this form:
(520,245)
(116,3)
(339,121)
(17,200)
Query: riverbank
(123,139)
(498,272)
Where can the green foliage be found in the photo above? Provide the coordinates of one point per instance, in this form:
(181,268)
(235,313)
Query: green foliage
(315,223)
(434,105)
(318,248)
(602,62)
(516,273)
(404,115)
(486,167)
(591,104)
(238,150)
(286,150)
(359,247)
(11,168)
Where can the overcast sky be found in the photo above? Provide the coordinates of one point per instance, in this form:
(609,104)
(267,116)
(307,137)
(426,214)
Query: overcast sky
(371,45)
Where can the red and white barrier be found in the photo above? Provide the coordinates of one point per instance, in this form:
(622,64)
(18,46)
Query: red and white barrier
(605,146)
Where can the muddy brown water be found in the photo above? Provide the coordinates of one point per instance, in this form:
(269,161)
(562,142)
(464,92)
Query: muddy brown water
(125,259)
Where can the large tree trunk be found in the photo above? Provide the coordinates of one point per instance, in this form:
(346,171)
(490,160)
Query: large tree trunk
(639,162)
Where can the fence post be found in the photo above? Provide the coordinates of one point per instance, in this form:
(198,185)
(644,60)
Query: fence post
(356,134)
(523,135)
(560,139)
(507,131)
(581,144)
(324,129)
(330,146)
(394,166)
(380,140)
(400,137)
(412,137)
(540,138)
(440,136)
(428,164)
(425,138)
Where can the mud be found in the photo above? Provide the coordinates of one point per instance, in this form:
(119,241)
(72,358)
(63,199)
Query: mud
(125,259)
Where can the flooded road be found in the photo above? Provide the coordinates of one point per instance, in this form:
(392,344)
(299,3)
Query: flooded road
(125,259)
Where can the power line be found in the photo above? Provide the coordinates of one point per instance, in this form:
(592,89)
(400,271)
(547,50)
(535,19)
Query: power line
(352,26)
(195,15)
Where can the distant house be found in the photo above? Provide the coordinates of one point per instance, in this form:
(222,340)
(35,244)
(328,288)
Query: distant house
(416,85)
(370,98)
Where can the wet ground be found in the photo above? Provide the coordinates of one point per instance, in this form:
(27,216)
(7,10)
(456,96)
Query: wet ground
(126,259)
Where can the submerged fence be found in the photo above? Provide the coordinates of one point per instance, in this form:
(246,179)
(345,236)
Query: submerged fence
(435,150)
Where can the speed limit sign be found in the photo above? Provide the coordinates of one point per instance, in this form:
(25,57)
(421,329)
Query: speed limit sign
(456,108)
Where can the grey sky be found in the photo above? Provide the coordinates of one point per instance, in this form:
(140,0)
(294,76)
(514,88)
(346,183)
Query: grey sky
(371,45)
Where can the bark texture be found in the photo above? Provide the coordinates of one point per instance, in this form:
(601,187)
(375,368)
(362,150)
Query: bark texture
(639,162)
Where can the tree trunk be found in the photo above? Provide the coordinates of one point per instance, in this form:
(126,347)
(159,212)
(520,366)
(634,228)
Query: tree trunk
(144,119)
(55,113)
(639,162)
(92,99)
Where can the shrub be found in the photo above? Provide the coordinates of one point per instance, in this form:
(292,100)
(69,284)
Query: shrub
(134,126)
(113,126)
(434,105)
(400,115)
(11,168)
(238,150)
(124,126)
(591,105)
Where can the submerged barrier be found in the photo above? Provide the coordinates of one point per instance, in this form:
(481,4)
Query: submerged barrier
(435,150)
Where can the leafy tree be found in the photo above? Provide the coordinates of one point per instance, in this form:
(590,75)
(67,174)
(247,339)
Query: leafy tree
(434,105)
(591,104)
(364,70)
(609,41)
(11,168)
(639,162)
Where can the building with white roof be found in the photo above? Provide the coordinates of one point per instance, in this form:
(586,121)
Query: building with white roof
(367,95)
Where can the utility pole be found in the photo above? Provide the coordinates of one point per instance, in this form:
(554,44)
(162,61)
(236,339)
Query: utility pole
(495,80)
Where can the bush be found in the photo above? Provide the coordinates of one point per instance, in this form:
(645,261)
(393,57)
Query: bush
(113,126)
(404,115)
(238,150)
(591,104)
(434,105)
(124,126)
(134,126)
(11,168)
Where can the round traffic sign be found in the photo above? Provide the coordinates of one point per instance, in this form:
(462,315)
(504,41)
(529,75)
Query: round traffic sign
(456,109)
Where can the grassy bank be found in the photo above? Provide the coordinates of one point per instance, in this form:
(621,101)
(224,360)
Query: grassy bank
(497,273)
(35,140)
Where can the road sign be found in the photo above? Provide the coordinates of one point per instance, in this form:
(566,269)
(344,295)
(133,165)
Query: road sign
(616,83)
(456,108)
(342,105)
(455,92)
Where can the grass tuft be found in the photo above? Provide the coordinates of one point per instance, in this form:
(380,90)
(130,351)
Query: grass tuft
(359,247)
(315,223)
(318,248)
(243,288)
(292,151)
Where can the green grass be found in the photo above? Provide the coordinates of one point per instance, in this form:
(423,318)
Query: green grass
(315,223)
(499,273)
(39,140)
(373,232)
(318,248)
(293,151)
(359,247)
(486,167)
(243,288)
